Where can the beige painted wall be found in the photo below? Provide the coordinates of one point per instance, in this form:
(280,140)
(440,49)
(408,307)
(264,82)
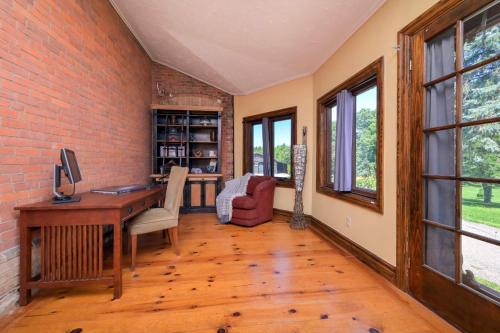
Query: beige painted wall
(297,93)
(375,232)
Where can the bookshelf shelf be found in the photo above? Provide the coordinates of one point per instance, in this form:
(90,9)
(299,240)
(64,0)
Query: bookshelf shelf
(202,126)
(203,157)
(172,142)
(203,142)
(170,158)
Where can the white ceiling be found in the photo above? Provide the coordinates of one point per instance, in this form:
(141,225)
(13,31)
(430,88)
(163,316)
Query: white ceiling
(241,46)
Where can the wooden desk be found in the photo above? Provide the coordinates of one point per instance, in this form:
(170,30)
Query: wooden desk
(72,239)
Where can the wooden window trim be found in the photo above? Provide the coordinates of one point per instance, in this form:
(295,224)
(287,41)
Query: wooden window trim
(277,115)
(357,83)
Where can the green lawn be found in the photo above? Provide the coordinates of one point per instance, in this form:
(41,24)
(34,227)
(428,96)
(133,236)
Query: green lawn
(489,284)
(475,210)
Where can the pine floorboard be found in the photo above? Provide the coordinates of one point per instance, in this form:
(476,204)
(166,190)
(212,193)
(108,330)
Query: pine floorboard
(233,279)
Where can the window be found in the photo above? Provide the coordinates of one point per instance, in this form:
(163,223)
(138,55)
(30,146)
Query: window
(257,150)
(268,141)
(350,139)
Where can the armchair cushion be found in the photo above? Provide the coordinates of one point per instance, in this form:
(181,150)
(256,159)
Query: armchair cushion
(245,202)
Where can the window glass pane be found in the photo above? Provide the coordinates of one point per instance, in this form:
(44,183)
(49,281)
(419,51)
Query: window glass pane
(440,153)
(257,150)
(481,266)
(439,250)
(282,139)
(482,35)
(481,209)
(366,140)
(333,112)
(481,151)
(440,55)
(440,104)
(439,201)
(481,92)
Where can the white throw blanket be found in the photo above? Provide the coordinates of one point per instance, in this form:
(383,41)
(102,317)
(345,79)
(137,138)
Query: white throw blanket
(233,188)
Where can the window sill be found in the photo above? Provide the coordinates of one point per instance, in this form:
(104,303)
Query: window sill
(374,204)
(285,183)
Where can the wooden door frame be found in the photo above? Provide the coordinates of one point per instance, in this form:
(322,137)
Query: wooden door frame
(405,159)
(425,287)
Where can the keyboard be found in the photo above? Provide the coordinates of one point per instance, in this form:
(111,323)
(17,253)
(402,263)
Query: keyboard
(121,189)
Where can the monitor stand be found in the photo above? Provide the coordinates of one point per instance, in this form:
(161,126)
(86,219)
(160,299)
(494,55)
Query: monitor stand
(66,199)
(61,198)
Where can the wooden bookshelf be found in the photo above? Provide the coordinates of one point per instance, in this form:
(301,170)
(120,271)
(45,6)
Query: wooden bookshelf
(178,133)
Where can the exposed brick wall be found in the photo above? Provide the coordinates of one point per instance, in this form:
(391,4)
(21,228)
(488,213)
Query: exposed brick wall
(71,75)
(181,84)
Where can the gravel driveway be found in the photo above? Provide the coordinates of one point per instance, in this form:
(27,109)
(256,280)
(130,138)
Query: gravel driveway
(480,257)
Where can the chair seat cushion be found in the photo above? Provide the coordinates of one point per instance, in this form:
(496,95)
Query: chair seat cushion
(152,220)
(245,202)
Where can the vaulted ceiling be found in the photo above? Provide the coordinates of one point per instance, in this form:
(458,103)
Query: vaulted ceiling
(242,46)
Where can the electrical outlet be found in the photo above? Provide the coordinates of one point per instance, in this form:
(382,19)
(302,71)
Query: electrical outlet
(348,221)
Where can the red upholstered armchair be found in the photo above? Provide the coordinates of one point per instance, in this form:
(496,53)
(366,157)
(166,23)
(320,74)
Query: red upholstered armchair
(257,206)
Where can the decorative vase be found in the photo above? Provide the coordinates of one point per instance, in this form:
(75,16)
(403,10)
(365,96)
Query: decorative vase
(299,161)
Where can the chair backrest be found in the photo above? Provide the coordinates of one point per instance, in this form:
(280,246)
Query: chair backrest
(254,181)
(175,189)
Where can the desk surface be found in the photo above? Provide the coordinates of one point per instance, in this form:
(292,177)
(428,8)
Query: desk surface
(192,175)
(94,200)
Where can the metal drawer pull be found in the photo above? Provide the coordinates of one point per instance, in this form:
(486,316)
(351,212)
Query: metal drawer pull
(130,209)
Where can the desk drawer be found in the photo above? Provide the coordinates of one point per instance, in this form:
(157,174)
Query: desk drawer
(140,206)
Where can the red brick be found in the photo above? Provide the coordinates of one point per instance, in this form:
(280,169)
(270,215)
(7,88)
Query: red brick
(65,83)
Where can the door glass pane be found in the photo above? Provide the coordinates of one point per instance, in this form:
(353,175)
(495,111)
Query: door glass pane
(481,90)
(333,112)
(481,209)
(439,250)
(440,55)
(482,35)
(366,140)
(481,266)
(481,151)
(440,104)
(282,139)
(440,153)
(257,156)
(440,201)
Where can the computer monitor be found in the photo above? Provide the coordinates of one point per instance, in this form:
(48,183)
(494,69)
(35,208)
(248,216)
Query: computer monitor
(72,172)
(70,166)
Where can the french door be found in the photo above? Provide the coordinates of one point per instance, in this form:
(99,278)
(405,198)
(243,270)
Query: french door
(455,222)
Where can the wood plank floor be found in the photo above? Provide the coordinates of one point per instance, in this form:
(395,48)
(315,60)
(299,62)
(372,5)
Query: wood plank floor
(232,279)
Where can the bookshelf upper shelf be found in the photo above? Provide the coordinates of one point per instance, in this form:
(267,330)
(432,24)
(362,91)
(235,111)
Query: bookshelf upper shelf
(199,108)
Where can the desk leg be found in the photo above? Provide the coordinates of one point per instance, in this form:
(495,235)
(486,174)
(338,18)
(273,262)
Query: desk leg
(25,261)
(117,259)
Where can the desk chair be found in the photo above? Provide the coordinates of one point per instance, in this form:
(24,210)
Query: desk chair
(157,219)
